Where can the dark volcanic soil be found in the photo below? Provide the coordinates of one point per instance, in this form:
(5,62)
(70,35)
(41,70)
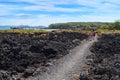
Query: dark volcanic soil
(104,63)
(22,54)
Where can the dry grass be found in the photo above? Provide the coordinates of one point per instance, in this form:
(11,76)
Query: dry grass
(22,31)
(58,31)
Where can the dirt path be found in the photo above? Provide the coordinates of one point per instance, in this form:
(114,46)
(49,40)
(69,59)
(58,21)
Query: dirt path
(68,65)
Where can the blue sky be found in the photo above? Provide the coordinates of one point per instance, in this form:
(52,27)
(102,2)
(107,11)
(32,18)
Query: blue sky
(45,12)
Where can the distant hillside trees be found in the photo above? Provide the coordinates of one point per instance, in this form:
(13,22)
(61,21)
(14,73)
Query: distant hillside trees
(117,25)
(86,25)
(59,26)
(72,25)
(111,26)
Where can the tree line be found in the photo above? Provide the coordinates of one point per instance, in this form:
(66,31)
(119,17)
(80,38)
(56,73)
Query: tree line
(86,25)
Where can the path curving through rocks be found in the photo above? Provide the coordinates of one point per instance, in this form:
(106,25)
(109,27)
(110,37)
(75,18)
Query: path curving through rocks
(68,65)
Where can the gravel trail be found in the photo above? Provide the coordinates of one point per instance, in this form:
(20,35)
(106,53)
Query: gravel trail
(69,65)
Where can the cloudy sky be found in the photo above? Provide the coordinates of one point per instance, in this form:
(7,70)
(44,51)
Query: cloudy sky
(45,12)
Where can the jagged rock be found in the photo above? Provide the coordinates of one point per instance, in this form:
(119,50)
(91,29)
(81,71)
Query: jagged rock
(19,52)
(4,75)
(106,60)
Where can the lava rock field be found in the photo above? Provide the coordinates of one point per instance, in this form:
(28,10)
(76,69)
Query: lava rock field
(24,55)
(104,62)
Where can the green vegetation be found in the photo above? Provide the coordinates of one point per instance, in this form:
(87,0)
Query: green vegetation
(83,27)
(69,25)
(87,25)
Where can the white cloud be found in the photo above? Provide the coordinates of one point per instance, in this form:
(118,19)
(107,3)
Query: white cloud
(48,2)
(44,6)
(53,8)
(24,16)
(47,19)
(92,3)
(100,10)
(49,5)
(113,1)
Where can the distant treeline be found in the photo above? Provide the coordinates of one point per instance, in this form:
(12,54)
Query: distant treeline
(86,25)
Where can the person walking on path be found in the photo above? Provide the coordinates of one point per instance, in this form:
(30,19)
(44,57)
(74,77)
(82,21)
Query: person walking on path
(92,35)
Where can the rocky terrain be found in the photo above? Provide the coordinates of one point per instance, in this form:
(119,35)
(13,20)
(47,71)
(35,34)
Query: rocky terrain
(104,62)
(24,55)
